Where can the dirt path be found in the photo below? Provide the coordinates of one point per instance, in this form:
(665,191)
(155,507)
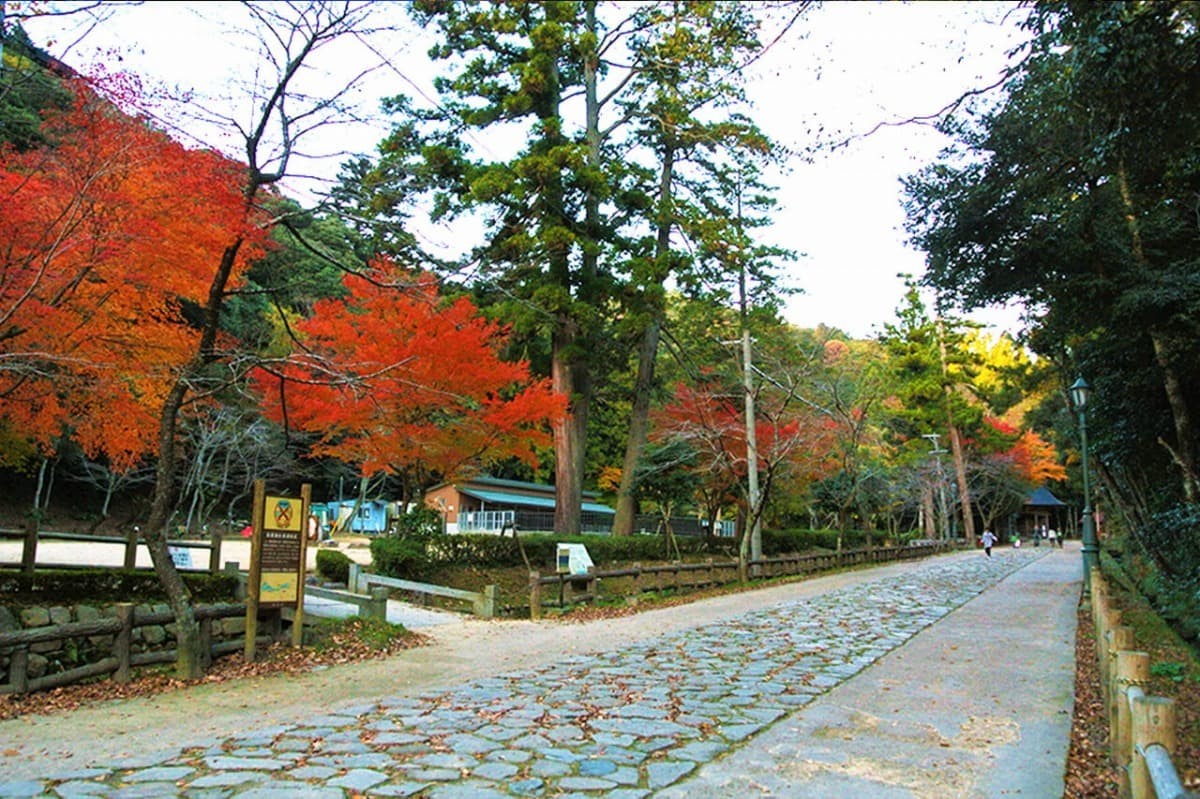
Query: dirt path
(33,746)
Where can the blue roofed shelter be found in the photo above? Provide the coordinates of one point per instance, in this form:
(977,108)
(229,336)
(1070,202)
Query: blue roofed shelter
(1043,509)
(489,504)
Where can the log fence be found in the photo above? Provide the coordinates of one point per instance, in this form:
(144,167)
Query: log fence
(119,664)
(1142,728)
(566,589)
(129,544)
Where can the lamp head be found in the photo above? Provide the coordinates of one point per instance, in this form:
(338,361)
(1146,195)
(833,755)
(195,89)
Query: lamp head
(1080,392)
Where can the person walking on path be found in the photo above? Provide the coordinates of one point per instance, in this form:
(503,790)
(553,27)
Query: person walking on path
(988,541)
(1052,537)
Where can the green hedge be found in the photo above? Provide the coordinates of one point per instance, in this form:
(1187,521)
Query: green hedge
(70,586)
(404,557)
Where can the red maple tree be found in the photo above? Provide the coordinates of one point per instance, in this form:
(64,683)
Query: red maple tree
(394,375)
(107,234)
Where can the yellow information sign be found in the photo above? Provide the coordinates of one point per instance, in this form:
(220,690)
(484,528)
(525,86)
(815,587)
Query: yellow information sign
(277,560)
(284,513)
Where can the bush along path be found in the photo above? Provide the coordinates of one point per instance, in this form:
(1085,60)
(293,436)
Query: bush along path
(622,723)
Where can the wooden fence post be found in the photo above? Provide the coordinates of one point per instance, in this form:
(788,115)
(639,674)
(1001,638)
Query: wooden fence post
(535,596)
(29,547)
(18,670)
(131,544)
(214,552)
(377,607)
(123,642)
(1106,621)
(1120,639)
(491,601)
(1153,723)
(1133,671)
(356,581)
(637,579)
(206,625)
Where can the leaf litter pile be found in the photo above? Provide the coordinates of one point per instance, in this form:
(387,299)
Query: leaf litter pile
(350,642)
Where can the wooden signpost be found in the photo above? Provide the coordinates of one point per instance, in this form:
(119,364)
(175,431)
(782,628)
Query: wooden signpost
(278,559)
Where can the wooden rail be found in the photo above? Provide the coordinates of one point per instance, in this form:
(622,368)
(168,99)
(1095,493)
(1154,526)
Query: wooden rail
(120,663)
(483,603)
(678,575)
(130,542)
(1143,728)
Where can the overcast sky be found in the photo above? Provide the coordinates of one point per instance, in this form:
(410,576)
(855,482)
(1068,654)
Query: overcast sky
(846,66)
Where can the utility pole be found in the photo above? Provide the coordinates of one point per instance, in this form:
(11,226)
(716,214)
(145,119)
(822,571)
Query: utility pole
(754,517)
(937,452)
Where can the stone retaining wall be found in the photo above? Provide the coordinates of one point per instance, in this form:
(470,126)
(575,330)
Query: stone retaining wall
(52,657)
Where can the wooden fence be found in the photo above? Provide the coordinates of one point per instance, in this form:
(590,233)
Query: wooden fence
(692,576)
(129,544)
(483,603)
(122,660)
(1142,728)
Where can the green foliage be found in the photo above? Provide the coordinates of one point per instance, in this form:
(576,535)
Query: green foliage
(27,90)
(109,585)
(376,634)
(490,551)
(783,542)
(401,558)
(333,565)
(419,524)
(1075,194)
(1174,672)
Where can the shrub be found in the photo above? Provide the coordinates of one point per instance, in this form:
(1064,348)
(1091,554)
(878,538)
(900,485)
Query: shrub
(419,523)
(110,585)
(402,558)
(333,565)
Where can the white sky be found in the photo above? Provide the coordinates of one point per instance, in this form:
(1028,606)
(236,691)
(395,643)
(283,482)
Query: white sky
(846,66)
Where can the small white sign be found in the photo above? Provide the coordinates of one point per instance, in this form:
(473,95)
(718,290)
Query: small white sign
(573,559)
(181,557)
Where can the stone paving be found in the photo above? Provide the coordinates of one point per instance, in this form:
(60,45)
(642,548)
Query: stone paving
(620,724)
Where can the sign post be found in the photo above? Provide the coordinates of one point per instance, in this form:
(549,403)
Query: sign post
(278,559)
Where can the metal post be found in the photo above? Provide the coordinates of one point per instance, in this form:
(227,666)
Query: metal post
(1091,548)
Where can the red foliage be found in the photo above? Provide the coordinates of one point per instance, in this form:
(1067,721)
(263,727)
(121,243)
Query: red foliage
(793,443)
(395,376)
(104,237)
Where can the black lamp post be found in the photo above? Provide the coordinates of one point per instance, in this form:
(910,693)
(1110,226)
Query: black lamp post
(1080,393)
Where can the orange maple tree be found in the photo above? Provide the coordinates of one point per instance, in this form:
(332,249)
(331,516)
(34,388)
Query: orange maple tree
(106,236)
(393,375)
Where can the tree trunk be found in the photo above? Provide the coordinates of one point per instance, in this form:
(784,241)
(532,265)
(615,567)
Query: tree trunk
(647,357)
(188,663)
(639,424)
(928,514)
(1183,452)
(569,378)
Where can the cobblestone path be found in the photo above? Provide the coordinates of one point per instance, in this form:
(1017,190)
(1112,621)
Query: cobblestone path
(618,724)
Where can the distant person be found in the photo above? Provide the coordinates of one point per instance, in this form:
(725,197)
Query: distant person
(1052,537)
(989,541)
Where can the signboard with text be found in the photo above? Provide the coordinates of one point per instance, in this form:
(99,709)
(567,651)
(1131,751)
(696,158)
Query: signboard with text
(278,560)
(282,548)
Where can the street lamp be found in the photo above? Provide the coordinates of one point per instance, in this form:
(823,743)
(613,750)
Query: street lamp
(1080,393)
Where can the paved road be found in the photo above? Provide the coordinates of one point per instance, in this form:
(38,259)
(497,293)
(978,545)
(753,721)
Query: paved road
(963,662)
